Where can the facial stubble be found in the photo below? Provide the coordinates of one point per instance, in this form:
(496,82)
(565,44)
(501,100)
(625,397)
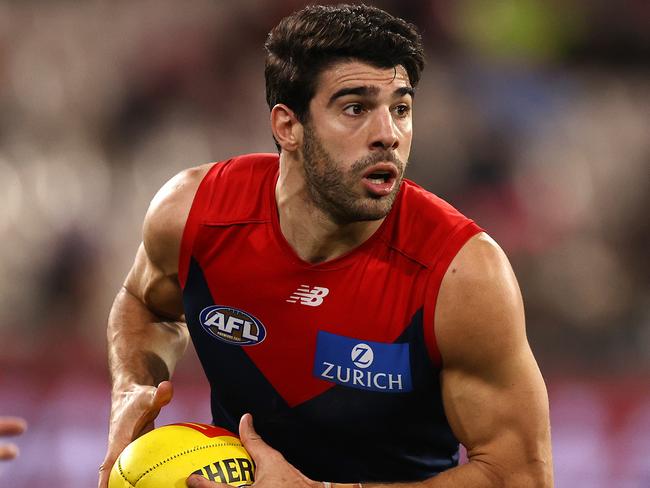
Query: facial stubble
(336,192)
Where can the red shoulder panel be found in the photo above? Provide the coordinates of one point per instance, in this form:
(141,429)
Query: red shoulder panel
(210,205)
(448,251)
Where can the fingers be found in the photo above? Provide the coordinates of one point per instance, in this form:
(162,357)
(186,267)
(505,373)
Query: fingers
(196,481)
(8,451)
(107,465)
(104,472)
(133,415)
(12,425)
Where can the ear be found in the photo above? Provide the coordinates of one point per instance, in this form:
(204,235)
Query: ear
(286,128)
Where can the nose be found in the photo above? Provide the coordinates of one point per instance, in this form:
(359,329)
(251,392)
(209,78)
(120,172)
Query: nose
(383,132)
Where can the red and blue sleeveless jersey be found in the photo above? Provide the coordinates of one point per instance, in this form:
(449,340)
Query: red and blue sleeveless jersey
(337,361)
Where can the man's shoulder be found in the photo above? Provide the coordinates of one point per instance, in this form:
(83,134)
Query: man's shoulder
(417,199)
(237,190)
(175,197)
(246,165)
(426,225)
(171,205)
(165,218)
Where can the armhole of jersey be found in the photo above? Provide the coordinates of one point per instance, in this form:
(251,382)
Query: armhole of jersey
(454,243)
(200,202)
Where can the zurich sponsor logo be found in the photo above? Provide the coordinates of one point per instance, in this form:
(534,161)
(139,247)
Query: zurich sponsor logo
(362,356)
(374,366)
(232,326)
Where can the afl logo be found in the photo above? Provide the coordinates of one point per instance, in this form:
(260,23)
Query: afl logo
(232,326)
(362,356)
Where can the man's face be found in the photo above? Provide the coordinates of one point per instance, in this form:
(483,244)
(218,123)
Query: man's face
(357,140)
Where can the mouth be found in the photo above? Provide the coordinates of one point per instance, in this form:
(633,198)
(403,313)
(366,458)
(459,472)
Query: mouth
(380,179)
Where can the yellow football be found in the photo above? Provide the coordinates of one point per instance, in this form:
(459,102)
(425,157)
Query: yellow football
(166,456)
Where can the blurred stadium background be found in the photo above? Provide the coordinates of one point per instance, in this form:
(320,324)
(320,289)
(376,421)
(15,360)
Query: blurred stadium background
(533,117)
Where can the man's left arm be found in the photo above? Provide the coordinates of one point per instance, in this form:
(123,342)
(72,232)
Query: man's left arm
(493,392)
(494,395)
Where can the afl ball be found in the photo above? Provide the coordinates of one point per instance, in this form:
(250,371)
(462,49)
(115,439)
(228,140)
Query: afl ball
(166,456)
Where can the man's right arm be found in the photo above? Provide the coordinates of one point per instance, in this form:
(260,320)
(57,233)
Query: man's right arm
(146,330)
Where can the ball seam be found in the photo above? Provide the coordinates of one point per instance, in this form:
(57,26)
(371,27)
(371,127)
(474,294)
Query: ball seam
(182,453)
(119,469)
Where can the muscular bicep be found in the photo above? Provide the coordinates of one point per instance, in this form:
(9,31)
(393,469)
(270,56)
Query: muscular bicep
(494,395)
(153,279)
(154,287)
(500,416)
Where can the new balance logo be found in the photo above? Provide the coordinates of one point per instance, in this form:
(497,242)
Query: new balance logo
(311,297)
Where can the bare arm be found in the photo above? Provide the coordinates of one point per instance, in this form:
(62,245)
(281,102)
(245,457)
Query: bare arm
(493,392)
(146,330)
(494,395)
(146,334)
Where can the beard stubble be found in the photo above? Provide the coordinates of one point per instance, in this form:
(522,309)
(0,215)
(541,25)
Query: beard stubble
(336,192)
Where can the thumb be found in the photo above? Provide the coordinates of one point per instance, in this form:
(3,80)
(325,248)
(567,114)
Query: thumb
(253,443)
(151,405)
(162,395)
(196,481)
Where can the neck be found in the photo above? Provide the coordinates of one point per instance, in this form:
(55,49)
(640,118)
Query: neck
(312,233)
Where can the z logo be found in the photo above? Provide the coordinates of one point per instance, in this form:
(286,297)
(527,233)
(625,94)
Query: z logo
(362,356)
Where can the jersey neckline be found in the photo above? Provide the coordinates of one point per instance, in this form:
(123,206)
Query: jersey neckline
(339,262)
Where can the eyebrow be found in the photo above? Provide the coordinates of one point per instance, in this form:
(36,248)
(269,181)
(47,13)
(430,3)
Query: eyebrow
(368,91)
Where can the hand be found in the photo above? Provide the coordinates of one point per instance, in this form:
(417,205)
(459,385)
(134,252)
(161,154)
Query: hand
(10,426)
(272,470)
(133,414)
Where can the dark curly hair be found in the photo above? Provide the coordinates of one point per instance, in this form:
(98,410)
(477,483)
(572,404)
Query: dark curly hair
(305,43)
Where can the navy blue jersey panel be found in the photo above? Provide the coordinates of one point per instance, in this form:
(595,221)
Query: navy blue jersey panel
(346,434)
(230,399)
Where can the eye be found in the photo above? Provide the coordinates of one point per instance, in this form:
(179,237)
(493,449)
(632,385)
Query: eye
(402,110)
(353,109)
